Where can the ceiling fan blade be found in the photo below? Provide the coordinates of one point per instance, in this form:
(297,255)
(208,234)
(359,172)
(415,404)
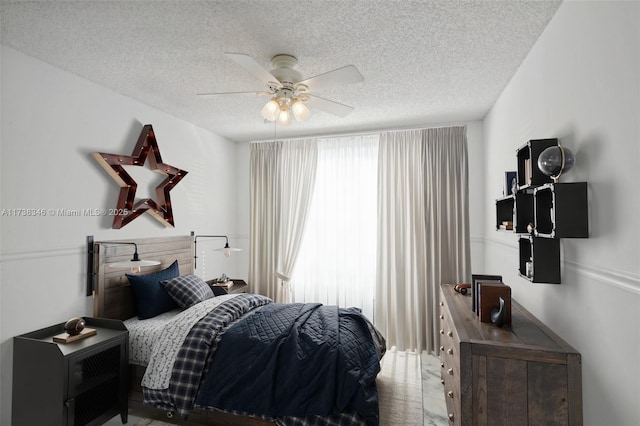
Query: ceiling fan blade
(249,64)
(338,77)
(260,92)
(331,107)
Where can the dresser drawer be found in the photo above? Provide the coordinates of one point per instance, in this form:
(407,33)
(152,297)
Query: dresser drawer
(450,364)
(452,400)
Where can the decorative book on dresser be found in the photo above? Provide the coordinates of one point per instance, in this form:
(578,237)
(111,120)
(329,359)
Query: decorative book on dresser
(522,374)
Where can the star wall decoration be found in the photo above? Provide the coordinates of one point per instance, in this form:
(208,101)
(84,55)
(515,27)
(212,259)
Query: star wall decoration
(126,211)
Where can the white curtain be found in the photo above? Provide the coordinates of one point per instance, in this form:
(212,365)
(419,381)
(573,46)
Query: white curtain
(282,180)
(423,236)
(336,265)
(387,256)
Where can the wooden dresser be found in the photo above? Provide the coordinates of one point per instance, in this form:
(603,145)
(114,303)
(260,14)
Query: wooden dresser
(522,374)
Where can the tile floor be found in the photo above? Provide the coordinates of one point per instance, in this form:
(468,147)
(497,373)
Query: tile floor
(433,404)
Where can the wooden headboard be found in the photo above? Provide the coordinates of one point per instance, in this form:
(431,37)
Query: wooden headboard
(113,297)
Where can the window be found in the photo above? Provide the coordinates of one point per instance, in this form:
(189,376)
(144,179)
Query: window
(337,260)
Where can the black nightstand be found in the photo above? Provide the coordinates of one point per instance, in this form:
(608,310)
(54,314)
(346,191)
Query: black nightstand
(79,383)
(239,286)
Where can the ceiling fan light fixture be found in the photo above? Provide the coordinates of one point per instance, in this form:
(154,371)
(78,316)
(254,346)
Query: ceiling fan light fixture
(284,119)
(271,110)
(289,92)
(300,110)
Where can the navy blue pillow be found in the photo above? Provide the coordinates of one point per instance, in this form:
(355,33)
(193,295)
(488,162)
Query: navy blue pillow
(149,295)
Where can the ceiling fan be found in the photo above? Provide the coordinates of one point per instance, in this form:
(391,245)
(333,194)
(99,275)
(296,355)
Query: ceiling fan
(291,94)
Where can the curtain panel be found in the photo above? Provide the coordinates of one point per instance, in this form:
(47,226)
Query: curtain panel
(336,264)
(423,230)
(282,182)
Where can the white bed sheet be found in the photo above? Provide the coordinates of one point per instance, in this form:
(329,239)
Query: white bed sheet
(144,333)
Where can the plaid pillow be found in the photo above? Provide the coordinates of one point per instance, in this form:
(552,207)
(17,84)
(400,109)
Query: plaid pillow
(187,290)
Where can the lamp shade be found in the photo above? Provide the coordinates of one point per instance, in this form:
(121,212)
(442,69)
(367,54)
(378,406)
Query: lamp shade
(271,110)
(300,110)
(227,250)
(135,265)
(284,119)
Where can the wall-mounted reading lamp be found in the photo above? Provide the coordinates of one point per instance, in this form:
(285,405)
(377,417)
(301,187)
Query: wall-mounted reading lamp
(135,263)
(226,249)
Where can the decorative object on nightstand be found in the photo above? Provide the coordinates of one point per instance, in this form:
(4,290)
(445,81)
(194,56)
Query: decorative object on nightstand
(83,382)
(74,326)
(74,330)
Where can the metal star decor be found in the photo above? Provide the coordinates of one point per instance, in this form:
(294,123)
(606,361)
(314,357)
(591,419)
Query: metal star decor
(126,211)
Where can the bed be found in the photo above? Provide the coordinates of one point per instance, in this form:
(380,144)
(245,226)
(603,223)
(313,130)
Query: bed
(237,359)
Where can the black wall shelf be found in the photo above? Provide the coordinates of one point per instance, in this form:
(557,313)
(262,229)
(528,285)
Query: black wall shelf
(542,212)
(504,211)
(561,210)
(529,174)
(543,256)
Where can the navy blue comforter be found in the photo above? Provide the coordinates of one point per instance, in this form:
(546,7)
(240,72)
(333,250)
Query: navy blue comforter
(295,360)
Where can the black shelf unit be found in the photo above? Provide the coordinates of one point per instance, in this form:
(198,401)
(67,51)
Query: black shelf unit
(542,212)
(504,210)
(561,210)
(529,175)
(523,211)
(544,257)
(80,383)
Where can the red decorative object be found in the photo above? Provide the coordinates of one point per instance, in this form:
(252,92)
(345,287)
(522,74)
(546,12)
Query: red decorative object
(126,211)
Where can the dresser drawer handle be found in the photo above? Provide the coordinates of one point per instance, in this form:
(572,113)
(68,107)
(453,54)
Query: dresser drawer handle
(450,351)
(441,316)
(441,348)
(442,365)
(442,381)
(441,331)
(441,303)
(450,371)
(450,394)
(450,334)
(450,417)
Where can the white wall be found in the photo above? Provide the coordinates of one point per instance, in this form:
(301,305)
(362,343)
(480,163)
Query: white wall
(581,83)
(477,199)
(51,121)
(243,206)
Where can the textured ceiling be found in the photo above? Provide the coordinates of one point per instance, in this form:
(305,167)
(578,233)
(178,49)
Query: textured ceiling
(424,62)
